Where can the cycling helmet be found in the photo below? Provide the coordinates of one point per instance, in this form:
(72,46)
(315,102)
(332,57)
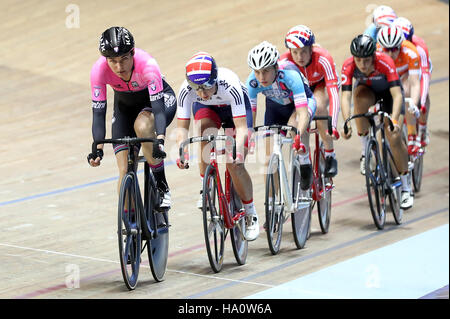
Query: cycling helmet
(363,46)
(201,71)
(383,16)
(262,56)
(298,37)
(406,26)
(390,37)
(116,41)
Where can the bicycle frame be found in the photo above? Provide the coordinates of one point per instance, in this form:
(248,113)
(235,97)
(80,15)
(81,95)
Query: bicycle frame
(224,198)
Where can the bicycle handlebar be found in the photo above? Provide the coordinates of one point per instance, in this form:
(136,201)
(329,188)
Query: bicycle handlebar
(279,128)
(208,139)
(276,127)
(124,140)
(329,122)
(369,116)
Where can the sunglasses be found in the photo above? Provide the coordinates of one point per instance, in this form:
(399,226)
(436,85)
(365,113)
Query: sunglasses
(391,49)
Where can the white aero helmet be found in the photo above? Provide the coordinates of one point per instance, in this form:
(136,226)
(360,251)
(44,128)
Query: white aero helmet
(406,26)
(383,16)
(390,37)
(262,56)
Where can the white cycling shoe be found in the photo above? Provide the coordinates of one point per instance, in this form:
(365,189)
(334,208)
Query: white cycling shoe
(407,200)
(252,231)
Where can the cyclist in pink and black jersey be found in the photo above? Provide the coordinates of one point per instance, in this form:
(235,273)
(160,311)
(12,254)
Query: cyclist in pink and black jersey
(144,104)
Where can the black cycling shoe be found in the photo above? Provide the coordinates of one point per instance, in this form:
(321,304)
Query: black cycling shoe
(330,166)
(307,176)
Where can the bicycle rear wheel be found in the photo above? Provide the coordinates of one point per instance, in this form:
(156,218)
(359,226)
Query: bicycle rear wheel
(274,206)
(129,231)
(238,242)
(324,190)
(417,173)
(394,193)
(375,184)
(213,223)
(301,218)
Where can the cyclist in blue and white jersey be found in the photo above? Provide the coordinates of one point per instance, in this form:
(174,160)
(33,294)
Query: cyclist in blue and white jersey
(289,99)
(382,16)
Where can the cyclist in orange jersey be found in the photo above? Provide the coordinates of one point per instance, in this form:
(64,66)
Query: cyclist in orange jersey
(407,62)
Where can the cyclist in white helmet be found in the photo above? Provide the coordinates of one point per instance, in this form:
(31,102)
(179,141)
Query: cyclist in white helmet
(289,99)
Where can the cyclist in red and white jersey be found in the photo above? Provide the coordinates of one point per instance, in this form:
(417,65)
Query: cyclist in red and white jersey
(144,104)
(217,98)
(426,68)
(317,65)
(376,79)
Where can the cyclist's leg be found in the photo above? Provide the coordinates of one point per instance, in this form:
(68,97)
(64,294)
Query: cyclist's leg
(400,154)
(412,146)
(321,96)
(122,125)
(363,98)
(208,122)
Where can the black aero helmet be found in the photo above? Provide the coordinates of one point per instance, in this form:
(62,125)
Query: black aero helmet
(116,41)
(363,46)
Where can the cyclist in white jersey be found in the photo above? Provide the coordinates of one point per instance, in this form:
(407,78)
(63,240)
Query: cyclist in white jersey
(217,98)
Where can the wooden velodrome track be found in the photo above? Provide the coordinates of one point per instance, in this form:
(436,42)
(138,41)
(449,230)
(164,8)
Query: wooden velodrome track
(58,215)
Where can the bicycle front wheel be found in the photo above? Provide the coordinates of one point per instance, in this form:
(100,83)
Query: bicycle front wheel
(129,231)
(238,242)
(417,173)
(213,223)
(301,218)
(394,192)
(274,206)
(375,184)
(324,190)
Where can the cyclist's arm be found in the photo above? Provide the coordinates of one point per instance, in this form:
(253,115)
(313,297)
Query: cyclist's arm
(346,100)
(332,86)
(415,88)
(302,119)
(397,98)
(425,76)
(241,133)
(98,121)
(159,113)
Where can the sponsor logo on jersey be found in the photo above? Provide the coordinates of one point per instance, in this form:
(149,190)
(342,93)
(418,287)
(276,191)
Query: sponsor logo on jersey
(98,105)
(134,84)
(156,96)
(224,84)
(96,92)
(277,94)
(169,100)
(254,84)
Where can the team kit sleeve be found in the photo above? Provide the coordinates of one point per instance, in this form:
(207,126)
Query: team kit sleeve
(153,77)
(332,86)
(98,92)
(348,68)
(185,101)
(294,82)
(252,85)
(424,76)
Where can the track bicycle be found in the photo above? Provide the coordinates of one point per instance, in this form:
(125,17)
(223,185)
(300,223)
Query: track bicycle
(141,224)
(285,196)
(222,208)
(382,178)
